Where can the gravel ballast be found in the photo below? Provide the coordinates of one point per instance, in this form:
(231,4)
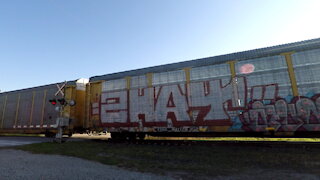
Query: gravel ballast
(16,164)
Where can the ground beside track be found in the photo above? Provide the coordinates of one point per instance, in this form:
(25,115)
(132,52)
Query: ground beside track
(192,161)
(16,164)
(16,141)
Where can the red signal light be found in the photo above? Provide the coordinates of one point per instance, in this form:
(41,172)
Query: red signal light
(53,101)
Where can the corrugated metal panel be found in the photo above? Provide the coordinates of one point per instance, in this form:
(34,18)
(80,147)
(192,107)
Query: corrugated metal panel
(29,108)
(251,54)
(221,71)
(267,70)
(2,109)
(168,77)
(117,107)
(307,67)
(10,112)
(25,105)
(114,85)
(138,81)
(37,110)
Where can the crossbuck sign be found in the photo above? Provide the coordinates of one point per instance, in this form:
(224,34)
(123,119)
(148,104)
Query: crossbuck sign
(60,89)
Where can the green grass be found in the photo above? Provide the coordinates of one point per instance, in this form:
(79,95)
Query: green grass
(189,161)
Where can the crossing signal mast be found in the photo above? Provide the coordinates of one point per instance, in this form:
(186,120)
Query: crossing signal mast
(61,121)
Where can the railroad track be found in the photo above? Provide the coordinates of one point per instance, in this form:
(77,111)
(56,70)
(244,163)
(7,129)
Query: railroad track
(265,144)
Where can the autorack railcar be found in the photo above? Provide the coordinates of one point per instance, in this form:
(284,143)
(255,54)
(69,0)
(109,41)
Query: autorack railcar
(268,91)
(29,110)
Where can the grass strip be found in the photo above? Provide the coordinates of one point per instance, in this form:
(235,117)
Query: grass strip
(190,161)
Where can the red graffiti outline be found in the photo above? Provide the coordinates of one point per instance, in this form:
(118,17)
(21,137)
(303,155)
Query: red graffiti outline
(203,110)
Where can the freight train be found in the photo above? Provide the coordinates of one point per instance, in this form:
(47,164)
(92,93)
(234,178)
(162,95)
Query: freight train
(268,91)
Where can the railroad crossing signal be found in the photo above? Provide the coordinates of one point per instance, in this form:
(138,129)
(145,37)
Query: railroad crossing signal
(62,101)
(60,89)
(53,101)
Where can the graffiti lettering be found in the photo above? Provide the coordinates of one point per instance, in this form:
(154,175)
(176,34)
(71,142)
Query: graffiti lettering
(210,103)
(301,114)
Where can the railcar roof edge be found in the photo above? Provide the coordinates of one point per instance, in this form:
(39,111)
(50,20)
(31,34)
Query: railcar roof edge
(41,87)
(239,56)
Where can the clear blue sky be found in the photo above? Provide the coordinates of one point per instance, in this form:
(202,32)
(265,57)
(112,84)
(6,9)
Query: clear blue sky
(48,41)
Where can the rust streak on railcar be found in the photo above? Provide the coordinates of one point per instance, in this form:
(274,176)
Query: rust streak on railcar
(17,110)
(4,110)
(32,106)
(43,107)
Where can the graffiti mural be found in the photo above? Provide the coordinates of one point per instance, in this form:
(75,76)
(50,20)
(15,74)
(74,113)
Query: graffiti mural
(300,114)
(210,103)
